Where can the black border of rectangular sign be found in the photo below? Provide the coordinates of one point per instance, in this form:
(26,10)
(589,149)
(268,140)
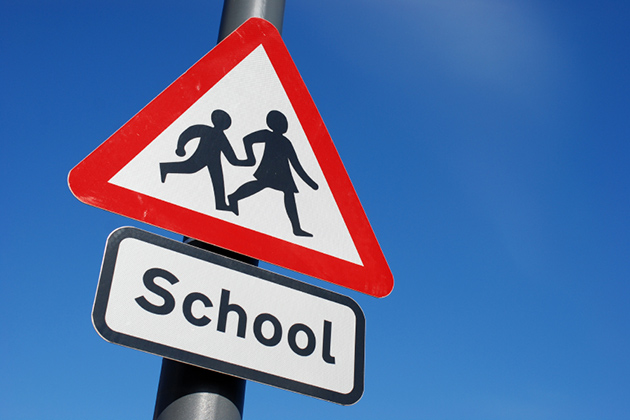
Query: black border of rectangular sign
(102,297)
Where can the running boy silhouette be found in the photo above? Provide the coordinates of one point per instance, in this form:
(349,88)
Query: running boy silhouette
(212,142)
(274,170)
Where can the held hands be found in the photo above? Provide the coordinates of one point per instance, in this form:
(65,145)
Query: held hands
(250,160)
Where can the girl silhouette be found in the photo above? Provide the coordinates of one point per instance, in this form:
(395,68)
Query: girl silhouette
(274,170)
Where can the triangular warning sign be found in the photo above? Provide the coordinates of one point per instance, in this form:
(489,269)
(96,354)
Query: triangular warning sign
(235,153)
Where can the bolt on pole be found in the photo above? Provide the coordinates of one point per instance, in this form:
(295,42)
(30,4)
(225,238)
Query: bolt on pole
(188,392)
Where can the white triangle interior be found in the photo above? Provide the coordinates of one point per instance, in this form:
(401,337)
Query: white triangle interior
(247,93)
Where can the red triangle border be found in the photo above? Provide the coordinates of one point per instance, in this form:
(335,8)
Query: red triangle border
(89,179)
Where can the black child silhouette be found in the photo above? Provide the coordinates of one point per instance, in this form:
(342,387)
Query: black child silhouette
(274,170)
(212,143)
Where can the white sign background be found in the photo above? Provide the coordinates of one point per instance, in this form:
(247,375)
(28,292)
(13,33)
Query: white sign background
(247,93)
(132,252)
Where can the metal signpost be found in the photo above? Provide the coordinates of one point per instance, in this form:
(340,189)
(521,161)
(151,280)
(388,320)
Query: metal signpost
(234,156)
(187,392)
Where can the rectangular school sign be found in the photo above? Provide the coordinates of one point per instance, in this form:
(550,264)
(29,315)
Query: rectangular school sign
(187,304)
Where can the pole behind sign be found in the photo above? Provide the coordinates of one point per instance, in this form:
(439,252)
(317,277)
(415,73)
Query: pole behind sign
(188,392)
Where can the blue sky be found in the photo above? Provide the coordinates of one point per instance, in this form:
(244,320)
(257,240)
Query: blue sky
(487,141)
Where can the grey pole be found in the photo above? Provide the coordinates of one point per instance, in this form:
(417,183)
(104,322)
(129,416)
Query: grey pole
(188,392)
(236,12)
